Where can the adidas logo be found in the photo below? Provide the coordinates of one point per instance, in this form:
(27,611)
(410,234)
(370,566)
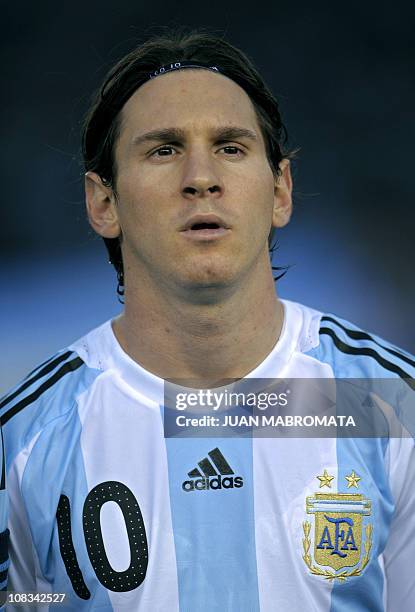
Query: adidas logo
(207,477)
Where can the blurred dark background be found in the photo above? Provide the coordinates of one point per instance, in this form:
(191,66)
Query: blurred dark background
(344,75)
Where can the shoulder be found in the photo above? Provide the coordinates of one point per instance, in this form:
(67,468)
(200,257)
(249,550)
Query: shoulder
(350,351)
(50,391)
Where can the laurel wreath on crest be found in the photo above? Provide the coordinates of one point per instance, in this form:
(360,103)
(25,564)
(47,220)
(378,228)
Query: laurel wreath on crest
(329,574)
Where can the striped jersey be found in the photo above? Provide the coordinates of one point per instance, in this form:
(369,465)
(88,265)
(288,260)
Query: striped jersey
(106,510)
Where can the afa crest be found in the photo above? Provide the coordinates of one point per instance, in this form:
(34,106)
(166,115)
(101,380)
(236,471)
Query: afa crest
(342,539)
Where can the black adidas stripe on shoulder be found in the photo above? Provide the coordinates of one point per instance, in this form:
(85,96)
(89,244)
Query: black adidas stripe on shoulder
(368,352)
(361,335)
(59,355)
(69,366)
(50,365)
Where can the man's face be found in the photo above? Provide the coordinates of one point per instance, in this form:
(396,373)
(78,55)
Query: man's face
(190,147)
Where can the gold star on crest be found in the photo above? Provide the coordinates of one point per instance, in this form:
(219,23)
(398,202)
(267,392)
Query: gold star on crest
(353,480)
(325,479)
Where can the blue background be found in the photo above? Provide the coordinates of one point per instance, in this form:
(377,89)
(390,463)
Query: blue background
(344,78)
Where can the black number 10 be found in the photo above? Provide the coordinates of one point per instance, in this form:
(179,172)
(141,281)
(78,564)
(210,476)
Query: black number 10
(134,575)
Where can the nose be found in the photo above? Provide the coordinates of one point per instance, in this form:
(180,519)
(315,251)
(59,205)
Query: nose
(200,177)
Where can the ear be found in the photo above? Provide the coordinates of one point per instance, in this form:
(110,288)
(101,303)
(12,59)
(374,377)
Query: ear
(283,204)
(101,206)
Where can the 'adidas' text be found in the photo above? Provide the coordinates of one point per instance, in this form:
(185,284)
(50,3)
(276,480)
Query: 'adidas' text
(203,484)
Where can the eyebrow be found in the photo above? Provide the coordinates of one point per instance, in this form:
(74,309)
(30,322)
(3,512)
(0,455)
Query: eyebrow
(178,135)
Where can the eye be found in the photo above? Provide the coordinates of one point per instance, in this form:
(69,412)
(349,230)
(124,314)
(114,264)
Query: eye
(232,150)
(164,151)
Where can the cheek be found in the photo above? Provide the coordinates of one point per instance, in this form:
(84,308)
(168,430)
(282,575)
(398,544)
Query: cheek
(140,202)
(258,195)
(259,201)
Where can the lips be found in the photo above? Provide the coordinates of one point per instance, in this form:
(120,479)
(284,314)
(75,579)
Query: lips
(204,222)
(205,227)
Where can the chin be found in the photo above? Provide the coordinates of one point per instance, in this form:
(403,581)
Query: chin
(205,276)
(207,286)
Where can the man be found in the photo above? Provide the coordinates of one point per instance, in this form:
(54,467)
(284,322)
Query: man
(186,180)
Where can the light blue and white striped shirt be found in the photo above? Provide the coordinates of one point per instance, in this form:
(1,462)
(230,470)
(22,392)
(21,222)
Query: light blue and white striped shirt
(100,509)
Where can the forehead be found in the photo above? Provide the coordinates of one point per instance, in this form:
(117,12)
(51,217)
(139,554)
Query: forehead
(189,98)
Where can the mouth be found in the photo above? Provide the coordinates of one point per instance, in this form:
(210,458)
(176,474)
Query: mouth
(205,227)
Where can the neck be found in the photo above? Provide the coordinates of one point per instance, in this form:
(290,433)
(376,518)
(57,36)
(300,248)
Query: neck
(207,342)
